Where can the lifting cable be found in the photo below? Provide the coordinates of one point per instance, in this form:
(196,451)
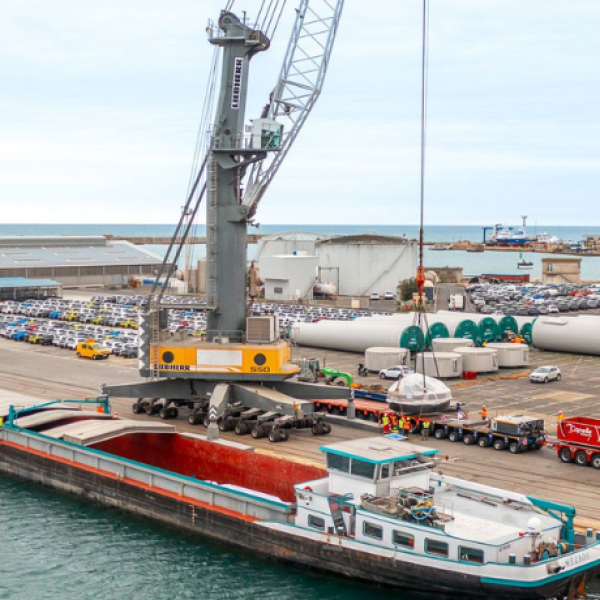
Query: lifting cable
(420,317)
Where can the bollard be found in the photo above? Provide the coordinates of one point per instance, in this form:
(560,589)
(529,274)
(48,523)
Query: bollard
(590,532)
(212,431)
(527,559)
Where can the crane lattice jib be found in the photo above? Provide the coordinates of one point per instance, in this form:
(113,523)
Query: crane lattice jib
(299,85)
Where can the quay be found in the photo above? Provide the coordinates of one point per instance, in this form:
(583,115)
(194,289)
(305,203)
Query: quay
(49,373)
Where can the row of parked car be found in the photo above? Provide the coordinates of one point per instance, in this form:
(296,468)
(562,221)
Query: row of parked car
(533,300)
(68,335)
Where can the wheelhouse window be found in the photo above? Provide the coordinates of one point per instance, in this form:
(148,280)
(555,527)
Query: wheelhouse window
(400,538)
(474,555)
(373,531)
(316,522)
(338,463)
(436,547)
(385,471)
(362,469)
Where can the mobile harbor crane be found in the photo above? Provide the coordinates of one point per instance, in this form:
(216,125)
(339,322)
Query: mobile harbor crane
(238,375)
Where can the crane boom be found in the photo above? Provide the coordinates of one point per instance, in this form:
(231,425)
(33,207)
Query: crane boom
(298,87)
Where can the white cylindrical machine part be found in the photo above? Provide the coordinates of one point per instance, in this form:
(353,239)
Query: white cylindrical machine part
(580,335)
(381,358)
(351,336)
(479,360)
(511,355)
(440,364)
(452,320)
(449,344)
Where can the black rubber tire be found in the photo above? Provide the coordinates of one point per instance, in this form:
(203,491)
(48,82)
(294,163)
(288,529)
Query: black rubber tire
(439,434)
(565,455)
(453,436)
(581,458)
(274,436)
(469,439)
(284,435)
(499,444)
(79,355)
(94,357)
(136,408)
(316,429)
(514,448)
(194,419)
(157,408)
(164,414)
(558,377)
(382,376)
(257,432)
(149,408)
(241,428)
(595,462)
(223,424)
(483,441)
(546,380)
(326,428)
(173,412)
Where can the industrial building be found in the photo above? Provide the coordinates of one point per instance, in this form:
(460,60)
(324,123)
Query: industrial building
(75,260)
(20,288)
(558,271)
(358,265)
(289,277)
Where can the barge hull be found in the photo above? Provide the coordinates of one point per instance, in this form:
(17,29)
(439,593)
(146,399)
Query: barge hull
(246,532)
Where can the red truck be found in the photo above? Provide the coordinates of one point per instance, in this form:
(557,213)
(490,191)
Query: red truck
(579,441)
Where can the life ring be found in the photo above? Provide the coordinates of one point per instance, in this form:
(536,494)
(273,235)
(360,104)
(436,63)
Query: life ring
(308,489)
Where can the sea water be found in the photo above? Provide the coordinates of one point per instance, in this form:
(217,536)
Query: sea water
(473,263)
(57,548)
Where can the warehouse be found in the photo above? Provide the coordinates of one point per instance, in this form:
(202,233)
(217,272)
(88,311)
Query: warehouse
(20,288)
(75,260)
(357,265)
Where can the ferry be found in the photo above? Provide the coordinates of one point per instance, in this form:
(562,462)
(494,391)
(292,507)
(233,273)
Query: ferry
(380,512)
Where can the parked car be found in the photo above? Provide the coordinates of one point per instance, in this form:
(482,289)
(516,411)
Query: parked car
(545,374)
(395,372)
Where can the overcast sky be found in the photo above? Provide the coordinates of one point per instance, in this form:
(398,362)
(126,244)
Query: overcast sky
(100,104)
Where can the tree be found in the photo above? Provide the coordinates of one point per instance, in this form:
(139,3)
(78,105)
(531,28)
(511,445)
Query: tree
(407,288)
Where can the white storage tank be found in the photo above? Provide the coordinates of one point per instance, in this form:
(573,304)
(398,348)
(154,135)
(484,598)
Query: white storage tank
(379,357)
(511,355)
(580,335)
(449,344)
(479,360)
(444,365)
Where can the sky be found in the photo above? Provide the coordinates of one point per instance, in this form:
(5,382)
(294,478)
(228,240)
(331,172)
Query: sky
(100,104)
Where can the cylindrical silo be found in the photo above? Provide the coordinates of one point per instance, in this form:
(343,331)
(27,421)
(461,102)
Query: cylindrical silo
(449,344)
(381,357)
(580,335)
(440,364)
(511,355)
(479,360)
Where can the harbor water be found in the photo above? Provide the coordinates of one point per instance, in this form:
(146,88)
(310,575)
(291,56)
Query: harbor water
(473,263)
(55,547)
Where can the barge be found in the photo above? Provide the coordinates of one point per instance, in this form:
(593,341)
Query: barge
(378,512)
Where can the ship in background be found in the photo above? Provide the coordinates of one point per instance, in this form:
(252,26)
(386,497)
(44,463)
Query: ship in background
(506,235)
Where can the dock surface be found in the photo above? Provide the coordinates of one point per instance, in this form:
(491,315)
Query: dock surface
(47,373)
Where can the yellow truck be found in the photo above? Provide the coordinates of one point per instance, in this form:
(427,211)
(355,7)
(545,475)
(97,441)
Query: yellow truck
(91,349)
